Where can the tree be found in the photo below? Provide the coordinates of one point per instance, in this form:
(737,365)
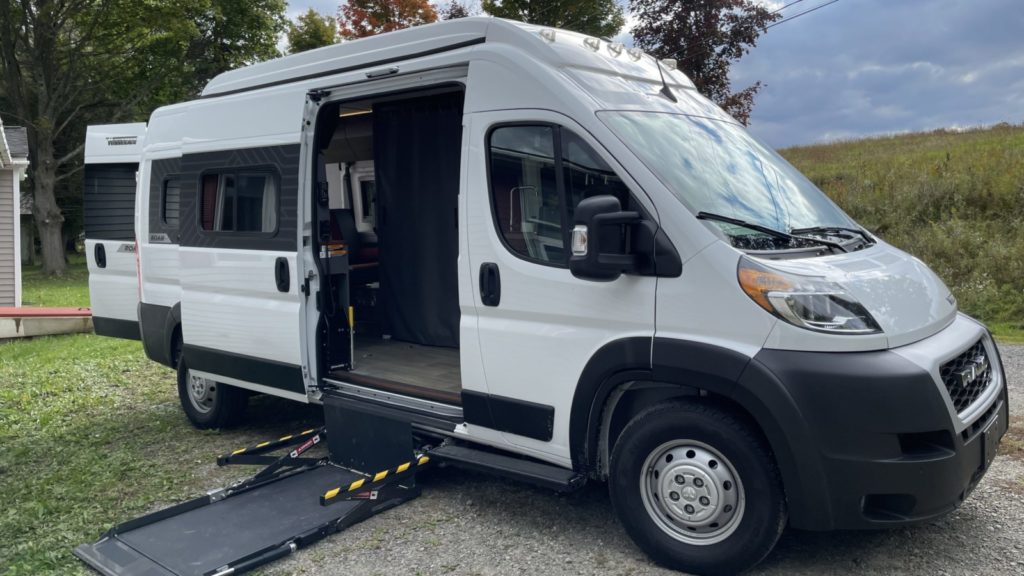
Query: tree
(452,10)
(705,37)
(601,18)
(362,18)
(64,63)
(311,30)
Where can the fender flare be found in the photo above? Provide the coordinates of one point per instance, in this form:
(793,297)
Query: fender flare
(717,370)
(157,324)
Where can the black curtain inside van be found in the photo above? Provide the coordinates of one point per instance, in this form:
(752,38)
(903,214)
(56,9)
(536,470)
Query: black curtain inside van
(417,144)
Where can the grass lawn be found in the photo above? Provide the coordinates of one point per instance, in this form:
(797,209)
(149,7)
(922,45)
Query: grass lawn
(71,291)
(92,435)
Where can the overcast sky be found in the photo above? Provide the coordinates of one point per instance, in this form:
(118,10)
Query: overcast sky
(860,67)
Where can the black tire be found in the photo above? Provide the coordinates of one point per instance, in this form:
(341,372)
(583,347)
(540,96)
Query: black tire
(224,405)
(661,432)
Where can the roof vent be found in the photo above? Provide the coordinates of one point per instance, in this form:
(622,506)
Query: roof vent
(670,63)
(548,34)
(615,48)
(634,54)
(592,43)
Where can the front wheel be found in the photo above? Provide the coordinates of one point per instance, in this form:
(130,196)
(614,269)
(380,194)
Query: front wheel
(696,488)
(209,404)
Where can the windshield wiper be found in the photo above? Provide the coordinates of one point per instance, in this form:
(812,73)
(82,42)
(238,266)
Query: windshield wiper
(766,230)
(813,229)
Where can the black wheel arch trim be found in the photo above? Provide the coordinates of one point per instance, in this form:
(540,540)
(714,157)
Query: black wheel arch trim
(156,324)
(717,370)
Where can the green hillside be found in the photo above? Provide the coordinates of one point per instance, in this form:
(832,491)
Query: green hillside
(955,199)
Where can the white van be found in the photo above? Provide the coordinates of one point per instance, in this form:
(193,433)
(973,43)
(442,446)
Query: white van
(552,245)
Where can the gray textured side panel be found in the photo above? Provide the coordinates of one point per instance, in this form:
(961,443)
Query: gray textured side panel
(109,201)
(159,172)
(284,160)
(7,216)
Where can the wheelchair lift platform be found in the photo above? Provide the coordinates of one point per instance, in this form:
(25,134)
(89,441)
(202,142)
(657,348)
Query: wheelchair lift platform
(296,500)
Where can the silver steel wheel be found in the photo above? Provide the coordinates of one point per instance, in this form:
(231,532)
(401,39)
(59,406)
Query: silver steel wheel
(692,492)
(201,392)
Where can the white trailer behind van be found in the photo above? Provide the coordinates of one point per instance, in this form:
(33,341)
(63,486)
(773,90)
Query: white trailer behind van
(541,254)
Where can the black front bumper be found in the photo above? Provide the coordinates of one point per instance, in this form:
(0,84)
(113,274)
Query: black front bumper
(870,440)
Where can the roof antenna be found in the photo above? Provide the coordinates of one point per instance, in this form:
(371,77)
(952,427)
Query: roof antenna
(665,91)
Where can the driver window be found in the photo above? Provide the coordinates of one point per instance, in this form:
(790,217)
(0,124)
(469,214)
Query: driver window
(533,203)
(587,175)
(524,189)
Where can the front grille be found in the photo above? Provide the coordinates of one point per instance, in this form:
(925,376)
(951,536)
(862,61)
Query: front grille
(967,376)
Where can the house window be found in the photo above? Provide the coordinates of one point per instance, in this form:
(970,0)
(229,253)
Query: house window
(242,201)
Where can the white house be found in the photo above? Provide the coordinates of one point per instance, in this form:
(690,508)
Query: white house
(13,165)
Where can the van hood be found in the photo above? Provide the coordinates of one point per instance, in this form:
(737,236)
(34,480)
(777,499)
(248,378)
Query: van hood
(904,296)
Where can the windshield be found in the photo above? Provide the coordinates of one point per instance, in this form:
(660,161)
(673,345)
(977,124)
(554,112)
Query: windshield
(716,166)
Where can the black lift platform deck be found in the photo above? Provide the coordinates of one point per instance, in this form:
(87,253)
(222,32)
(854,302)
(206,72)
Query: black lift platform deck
(295,500)
(237,533)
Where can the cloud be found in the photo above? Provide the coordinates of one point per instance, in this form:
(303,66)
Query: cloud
(861,67)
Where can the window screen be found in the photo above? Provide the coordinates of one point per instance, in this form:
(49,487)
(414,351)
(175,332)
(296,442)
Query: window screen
(238,202)
(171,201)
(533,204)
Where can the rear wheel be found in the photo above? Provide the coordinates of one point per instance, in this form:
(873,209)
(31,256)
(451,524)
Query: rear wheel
(697,489)
(209,404)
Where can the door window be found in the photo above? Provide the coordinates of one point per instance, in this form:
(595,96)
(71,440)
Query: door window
(239,202)
(538,174)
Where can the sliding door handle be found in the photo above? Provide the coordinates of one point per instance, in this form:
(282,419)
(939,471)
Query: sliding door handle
(282,275)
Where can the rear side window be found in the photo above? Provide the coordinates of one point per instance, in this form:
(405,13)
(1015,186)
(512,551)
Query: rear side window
(538,174)
(243,201)
(170,202)
(109,201)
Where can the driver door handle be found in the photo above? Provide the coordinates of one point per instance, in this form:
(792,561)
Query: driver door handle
(490,284)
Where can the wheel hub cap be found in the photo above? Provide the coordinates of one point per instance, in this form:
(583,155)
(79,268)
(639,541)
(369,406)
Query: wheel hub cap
(201,392)
(692,492)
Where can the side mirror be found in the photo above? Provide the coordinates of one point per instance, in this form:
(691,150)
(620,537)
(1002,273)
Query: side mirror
(601,239)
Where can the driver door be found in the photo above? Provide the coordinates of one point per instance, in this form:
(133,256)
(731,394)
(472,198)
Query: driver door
(538,325)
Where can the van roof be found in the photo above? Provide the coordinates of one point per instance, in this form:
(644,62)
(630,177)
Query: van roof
(114,143)
(393,47)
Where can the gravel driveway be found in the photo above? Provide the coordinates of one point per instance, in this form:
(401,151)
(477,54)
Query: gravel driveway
(467,523)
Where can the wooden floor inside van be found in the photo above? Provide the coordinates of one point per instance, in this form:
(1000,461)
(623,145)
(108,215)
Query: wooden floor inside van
(428,372)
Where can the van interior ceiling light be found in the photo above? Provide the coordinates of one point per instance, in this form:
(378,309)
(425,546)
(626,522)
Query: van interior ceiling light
(592,43)
(548,34)
(805,301)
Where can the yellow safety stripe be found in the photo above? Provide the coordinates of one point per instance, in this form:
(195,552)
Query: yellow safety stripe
(376,477)
(281,439)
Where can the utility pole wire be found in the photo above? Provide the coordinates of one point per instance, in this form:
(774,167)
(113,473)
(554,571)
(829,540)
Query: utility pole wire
(774,24)
(795,16)
(776,11)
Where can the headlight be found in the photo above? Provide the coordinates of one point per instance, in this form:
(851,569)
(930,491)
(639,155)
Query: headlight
(805,301)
